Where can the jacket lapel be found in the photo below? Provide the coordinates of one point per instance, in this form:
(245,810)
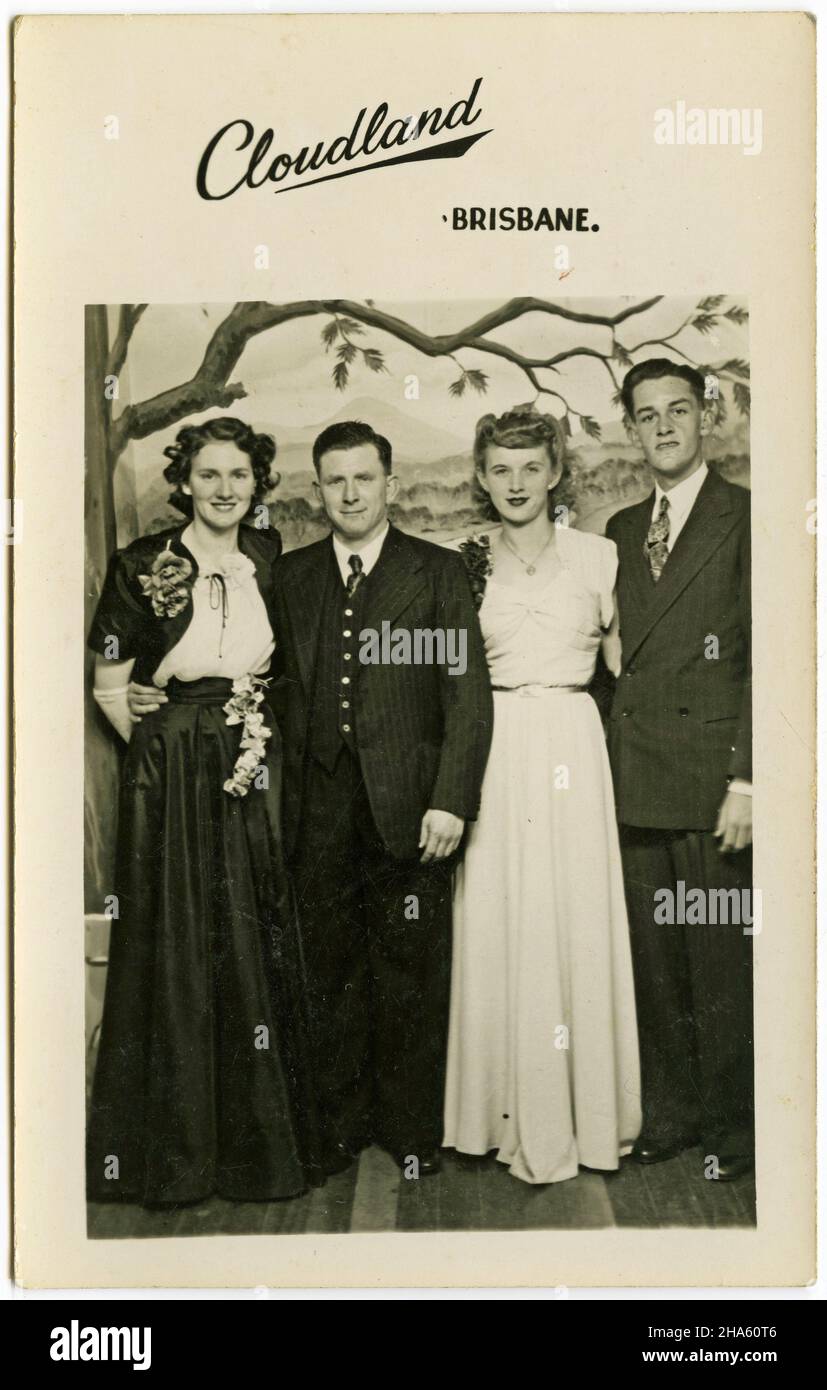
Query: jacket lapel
(707,526)
(394,580)
(305,593)
(175,627)
(641,586)
(264,569)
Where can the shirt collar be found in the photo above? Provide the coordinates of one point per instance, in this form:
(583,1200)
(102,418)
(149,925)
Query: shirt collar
(368,554)
(682,496)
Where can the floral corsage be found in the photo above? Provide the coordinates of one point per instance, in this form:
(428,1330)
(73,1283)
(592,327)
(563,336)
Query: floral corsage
(243,708)
(476,552)
(168,584)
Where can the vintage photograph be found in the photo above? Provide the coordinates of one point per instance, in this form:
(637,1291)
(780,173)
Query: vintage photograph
(418,766)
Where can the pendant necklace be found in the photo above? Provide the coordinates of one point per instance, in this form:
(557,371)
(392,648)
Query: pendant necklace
(530,567)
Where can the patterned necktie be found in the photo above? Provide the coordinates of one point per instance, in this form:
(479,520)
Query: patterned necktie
(655,547)
(356,575)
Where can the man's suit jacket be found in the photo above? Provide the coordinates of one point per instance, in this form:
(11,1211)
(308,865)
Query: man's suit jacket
(423,735)
(681,717)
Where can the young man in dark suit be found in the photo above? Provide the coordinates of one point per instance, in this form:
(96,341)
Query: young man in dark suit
(383,764)
(680,744)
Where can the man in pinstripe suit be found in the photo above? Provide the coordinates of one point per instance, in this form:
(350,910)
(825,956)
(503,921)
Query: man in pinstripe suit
(680,740)
(383,765)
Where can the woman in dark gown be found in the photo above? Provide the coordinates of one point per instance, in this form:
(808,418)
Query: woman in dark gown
(200,1085)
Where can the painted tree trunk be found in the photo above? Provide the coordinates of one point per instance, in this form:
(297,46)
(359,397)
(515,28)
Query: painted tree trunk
(102,759)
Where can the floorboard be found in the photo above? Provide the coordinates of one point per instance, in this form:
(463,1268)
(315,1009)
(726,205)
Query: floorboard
(123,1221)
(468,1195)
(376,1197)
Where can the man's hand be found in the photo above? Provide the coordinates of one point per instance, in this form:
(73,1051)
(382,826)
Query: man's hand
(440,835)
(734,822)
(143,699)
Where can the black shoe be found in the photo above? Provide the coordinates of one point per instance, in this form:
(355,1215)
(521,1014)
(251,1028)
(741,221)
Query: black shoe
(470,1161)
(342,1154)
(730,1168)
(337,1159)
(645,1152)
(428,1163)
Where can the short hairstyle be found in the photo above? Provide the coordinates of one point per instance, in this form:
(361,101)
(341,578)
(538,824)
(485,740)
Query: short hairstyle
(261,449)
(349,434)
(652,370)
(521,428)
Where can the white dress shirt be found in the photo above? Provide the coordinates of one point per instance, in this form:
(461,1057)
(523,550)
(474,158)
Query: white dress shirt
(368,554)
(681,498)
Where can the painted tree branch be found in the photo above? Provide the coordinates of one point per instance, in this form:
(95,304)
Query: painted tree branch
(128,318)
(210,386)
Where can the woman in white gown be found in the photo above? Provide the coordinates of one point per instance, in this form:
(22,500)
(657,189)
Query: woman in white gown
(543,1055)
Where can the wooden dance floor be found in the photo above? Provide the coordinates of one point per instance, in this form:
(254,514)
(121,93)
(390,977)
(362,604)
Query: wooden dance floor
(466,1196)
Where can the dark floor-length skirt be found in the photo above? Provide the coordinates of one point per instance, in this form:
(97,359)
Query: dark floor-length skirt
(200,1085)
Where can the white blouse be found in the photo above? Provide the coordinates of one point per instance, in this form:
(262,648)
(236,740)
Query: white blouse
(229,634)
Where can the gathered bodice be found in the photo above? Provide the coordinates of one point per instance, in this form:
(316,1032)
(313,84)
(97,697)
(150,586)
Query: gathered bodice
(550,635)
(230,633)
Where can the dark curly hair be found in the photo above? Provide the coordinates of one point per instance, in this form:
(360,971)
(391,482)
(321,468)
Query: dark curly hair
(261,449)
(654,369)
(521,428)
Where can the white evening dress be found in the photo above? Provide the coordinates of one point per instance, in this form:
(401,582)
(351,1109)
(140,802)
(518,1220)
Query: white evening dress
(543,1053)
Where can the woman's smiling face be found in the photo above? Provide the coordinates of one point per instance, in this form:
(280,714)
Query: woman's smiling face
(518,480)
(221,484)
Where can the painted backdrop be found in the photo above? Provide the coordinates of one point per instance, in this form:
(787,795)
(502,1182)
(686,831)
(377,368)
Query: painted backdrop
(422,374)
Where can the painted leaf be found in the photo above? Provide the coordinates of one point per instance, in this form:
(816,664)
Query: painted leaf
(704,323)
(742,397)
(374,359)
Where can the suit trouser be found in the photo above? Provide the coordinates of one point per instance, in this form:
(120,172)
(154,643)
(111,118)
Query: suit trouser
(377,943)
(693,986)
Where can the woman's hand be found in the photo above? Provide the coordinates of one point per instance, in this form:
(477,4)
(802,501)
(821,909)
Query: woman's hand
(144,699)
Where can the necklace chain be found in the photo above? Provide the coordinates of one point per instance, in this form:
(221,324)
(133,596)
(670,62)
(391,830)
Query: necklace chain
(530,566)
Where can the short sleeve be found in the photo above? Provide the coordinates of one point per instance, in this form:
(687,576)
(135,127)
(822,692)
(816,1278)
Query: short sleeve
(593,561)
(608,580)
(120,613)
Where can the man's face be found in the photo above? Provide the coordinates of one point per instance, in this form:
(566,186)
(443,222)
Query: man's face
(355,492)
(669,424)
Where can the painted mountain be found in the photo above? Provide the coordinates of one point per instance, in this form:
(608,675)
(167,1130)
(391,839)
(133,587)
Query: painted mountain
(435,472)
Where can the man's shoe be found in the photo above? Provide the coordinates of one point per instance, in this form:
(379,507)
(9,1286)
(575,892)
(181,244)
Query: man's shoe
(730,1168)
(652,1153)
(340,1155)
(427,1163)
(337,1159)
